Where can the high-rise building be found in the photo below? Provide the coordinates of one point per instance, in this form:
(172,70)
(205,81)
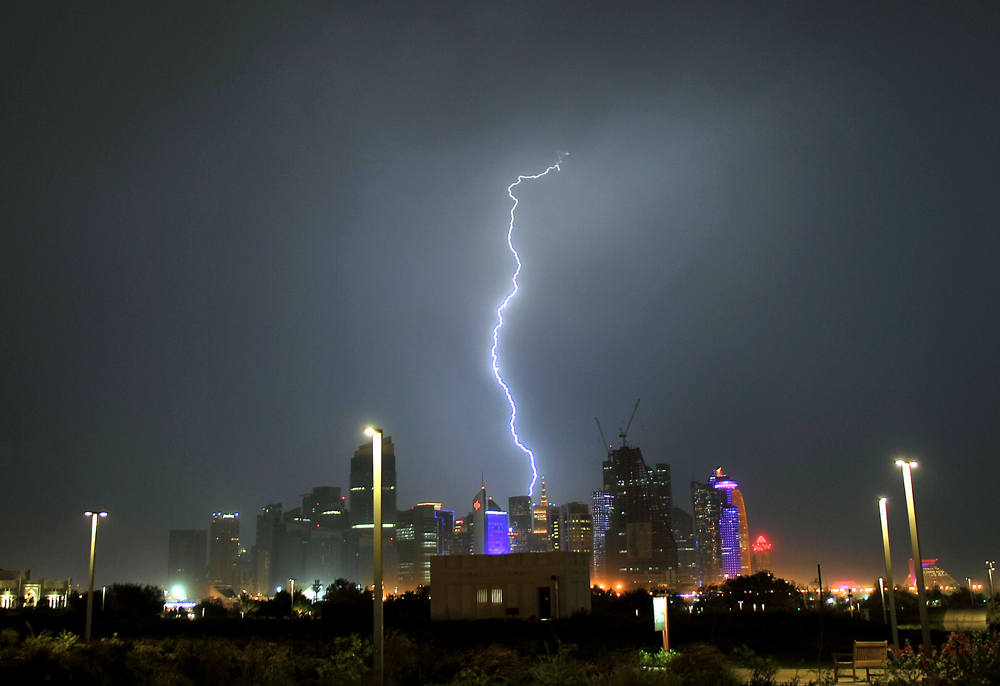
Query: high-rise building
(720,529)
(225,535)
(519,513)
(419,535)
(708,543)
(245,574)
(687,556)
(659,477)
(762,554)
(600,511)
(540,513)
(639,545)
(576,534)
(362,512)
(490,530)
(744,532)
(268,530)
(447,518)
(186,561)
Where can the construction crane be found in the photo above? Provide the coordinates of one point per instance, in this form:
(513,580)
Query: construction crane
(604,441)
(624,433)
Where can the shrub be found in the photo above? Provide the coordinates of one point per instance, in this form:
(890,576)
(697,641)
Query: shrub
(763,670)
(964,660)
(702,665)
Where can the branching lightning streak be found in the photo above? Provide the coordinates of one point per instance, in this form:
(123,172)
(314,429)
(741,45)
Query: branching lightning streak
(503,306)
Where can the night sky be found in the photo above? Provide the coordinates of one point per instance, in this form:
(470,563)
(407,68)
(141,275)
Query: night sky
(235,234)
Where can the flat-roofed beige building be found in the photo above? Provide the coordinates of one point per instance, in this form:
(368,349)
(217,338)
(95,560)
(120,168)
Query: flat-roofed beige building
(517,586)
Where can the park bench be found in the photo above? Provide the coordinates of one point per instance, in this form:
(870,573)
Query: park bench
(866,654)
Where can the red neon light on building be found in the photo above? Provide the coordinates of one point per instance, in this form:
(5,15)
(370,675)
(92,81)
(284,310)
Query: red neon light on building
(761,544)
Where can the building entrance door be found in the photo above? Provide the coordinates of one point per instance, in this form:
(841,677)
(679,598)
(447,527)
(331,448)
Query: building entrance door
(544,602)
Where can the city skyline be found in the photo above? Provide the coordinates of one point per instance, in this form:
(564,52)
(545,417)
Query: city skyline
(237,235)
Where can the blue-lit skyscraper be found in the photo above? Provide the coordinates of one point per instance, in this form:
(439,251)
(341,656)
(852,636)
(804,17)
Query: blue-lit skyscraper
(720,526)
(489,526)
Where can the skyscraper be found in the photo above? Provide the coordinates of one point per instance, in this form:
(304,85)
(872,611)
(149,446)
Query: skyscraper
(489,526)
(576,534)
(744,532)
(762,554)
(639,545)
(519,512)
(419,535)
(268,526)
(721,536)
(687,556)
(186,553)
(600,511)
(225,535)
(540,513)
(362,512)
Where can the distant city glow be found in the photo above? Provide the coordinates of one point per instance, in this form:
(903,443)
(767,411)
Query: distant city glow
(503,306)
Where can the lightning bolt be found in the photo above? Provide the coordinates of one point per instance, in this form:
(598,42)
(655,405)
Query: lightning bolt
(503,306)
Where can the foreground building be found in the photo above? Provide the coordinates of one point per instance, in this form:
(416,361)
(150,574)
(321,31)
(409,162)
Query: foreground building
(517,586)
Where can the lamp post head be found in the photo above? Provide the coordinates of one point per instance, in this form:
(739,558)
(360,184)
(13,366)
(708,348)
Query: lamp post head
(912,464)
(371,431)
(90,513)
(883,500)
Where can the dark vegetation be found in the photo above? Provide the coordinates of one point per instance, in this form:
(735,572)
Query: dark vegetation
(328,642)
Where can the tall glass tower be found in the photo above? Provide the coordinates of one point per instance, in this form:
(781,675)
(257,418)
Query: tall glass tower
(721,532)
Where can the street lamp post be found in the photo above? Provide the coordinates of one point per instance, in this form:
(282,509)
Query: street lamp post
(291,583)
(376,436)
(888,570)
(990,566)
(94,519)
(918,562)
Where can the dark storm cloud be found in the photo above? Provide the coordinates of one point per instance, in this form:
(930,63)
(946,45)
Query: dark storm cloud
(235,235)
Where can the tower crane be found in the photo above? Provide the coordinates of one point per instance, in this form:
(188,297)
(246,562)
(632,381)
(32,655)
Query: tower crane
(624,433)
(604,441)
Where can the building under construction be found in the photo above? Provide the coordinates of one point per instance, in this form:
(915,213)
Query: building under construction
(639,548)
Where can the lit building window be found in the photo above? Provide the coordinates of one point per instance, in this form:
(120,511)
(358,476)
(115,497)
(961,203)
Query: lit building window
(496,595)
(482,595)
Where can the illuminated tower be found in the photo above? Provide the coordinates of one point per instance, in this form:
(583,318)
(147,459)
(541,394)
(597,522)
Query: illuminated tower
(541,513)
(419,535)
(744,532)
(489,526)
(600,514)
(721,540)
(576,528)
(707,542)
(519,515)
(225,535)
(762,554)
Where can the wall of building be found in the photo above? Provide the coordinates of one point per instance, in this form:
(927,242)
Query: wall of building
(507,586)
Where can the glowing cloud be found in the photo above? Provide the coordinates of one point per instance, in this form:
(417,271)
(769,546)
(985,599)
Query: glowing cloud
(503,306)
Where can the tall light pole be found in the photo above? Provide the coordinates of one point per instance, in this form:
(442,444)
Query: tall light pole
(990,566)
(376,436)
(918,562)
(888,570)
(292,586)
(94,519)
